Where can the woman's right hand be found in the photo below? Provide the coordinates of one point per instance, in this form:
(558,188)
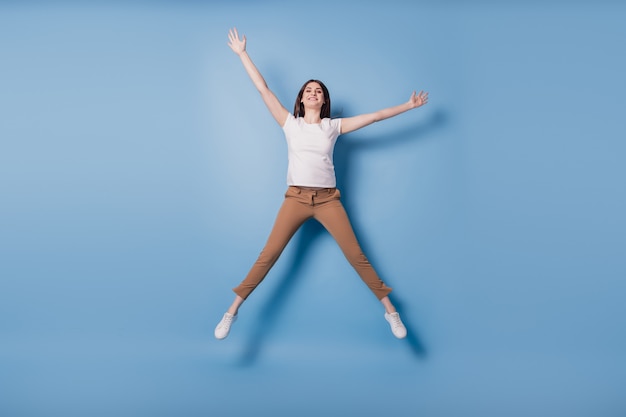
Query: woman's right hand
(237,45)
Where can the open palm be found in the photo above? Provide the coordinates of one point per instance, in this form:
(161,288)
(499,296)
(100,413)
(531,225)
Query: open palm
(235,43)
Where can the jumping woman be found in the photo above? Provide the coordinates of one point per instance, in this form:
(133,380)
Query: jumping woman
(311,135)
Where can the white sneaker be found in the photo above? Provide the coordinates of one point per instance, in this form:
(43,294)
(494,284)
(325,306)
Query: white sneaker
(223,327)
(397,328)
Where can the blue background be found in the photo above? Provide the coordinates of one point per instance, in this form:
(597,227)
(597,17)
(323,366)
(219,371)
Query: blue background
(140,174)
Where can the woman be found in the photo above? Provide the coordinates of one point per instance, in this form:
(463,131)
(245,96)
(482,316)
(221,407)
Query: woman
(311,135)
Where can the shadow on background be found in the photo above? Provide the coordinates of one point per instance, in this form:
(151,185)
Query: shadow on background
(344,153)
(312,230)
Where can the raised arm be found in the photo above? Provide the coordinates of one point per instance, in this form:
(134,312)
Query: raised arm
(350,124)
(279,112)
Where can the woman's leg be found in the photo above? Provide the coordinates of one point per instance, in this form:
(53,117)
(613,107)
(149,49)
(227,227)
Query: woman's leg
(291,216)
(389,307)
(234,307)
(333,217)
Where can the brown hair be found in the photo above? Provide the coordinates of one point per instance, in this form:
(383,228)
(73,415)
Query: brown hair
(298,108)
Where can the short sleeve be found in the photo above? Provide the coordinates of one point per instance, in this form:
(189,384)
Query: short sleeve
(336,124)
(290,119)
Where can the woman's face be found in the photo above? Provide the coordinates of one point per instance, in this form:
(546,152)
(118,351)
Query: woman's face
(313,95)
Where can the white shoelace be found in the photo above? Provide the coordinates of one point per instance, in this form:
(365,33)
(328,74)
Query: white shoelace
(395,320)
(227,320)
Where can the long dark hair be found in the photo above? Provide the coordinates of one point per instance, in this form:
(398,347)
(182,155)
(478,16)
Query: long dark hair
(298,108)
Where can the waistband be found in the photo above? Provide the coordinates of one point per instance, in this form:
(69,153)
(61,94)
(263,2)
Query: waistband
(312,190)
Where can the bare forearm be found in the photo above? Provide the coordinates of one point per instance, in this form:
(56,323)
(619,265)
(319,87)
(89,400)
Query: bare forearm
(238,45)
(253,72)
(274,106)
(353,123)
(390,112)
(357,122)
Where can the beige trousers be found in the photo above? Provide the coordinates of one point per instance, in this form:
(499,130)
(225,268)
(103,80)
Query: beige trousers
(324,206)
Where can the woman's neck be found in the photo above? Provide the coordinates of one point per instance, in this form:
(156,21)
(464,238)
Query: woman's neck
(312,117)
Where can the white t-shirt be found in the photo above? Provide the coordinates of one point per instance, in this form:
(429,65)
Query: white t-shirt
(310,151)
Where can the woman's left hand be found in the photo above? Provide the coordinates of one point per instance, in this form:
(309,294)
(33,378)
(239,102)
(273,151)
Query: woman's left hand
(418,100)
